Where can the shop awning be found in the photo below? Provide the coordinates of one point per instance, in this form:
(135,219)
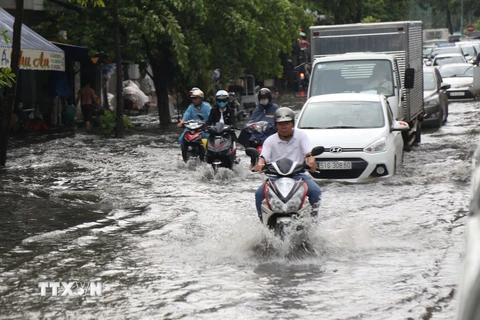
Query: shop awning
(37,53)
(74,52)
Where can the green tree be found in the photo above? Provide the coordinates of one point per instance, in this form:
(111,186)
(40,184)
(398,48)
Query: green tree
(184,41)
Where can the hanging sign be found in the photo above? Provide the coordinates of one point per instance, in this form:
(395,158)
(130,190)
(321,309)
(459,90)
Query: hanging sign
(34,59)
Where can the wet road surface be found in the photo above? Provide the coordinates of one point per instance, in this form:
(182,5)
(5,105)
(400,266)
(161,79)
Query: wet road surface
(170,240)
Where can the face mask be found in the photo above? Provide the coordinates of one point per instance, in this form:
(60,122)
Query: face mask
(264,102)
(222,104)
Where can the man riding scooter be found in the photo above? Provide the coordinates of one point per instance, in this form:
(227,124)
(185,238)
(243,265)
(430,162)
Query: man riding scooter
(291,144)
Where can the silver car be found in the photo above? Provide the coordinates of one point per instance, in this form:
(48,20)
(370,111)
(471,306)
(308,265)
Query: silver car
(460,77)
(434,97)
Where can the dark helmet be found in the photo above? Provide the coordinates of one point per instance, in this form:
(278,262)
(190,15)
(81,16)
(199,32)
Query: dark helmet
(265,93)
(231,96)
(284,114)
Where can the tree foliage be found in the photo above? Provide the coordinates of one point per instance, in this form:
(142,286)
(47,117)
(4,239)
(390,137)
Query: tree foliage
(447,14)
(184,41)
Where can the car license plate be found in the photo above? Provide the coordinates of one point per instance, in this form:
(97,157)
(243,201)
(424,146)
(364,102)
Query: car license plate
(457,93)
(335,165)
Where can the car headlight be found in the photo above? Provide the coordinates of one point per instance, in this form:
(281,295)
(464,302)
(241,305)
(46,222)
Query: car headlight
(378,146)
(431,102)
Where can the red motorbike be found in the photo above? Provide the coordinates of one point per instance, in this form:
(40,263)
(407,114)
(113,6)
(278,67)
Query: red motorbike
(193,145)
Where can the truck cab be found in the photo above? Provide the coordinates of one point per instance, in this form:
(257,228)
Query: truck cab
(360,72)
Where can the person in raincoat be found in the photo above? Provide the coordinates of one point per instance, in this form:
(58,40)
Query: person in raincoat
(197,110)
(263,111)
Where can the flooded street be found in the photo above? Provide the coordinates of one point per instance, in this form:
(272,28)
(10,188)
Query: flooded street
(169,240)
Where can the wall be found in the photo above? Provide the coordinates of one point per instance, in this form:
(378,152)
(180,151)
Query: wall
(28,4)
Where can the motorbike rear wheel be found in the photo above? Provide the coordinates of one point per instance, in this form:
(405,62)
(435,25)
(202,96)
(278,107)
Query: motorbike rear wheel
(195,152)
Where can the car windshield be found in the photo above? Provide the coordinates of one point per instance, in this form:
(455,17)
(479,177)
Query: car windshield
(469,50)
(428,81)
(427,51)
(342,115)
(368,76)
(440,61)
(442,50)
(449,71)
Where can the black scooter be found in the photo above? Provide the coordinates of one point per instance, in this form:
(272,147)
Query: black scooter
(221,146)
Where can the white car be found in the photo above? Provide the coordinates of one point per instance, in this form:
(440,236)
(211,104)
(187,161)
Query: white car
(448,58)
(361,137)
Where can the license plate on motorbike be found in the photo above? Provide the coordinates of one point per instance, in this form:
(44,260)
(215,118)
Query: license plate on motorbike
(335,165)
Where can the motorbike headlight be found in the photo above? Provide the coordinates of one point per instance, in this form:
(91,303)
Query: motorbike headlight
(275,203)
(378,146)
(292,205)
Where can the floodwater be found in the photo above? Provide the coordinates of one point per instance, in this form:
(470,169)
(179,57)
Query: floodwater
(169,240)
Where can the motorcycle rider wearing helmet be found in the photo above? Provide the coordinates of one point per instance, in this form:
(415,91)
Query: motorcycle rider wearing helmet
(197,110)
(292,144)
(263,111)
(221,112)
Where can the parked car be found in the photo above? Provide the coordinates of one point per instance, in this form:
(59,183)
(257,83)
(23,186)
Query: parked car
(434,97)
(361,137)
(448,58)
(460,77)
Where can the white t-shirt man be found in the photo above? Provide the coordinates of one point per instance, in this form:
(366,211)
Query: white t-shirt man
(274,148)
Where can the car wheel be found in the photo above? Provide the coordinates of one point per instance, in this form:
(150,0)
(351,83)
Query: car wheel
(439,121)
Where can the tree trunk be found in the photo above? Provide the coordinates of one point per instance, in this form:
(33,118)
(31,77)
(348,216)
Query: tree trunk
(119,129)
(161,81)
(6,108)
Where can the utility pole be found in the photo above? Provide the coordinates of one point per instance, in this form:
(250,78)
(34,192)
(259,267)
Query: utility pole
(461,18)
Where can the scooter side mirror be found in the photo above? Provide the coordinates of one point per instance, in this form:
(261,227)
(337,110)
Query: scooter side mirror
(251,152)
(318,150)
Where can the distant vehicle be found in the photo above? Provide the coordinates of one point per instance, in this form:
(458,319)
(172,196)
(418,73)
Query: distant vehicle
(435,42)
(434,97)
(470,51)
(244,86)
(435,35)
(361,137)
(448,58)
(461,78)
(427,51)
(445,50)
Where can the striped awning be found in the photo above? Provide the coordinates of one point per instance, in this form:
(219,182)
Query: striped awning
(37,53)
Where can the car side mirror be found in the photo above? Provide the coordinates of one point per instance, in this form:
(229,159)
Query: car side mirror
(409,78)
(445,86)
(428,63)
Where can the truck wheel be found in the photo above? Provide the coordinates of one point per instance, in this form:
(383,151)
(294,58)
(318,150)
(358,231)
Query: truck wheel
(418,133)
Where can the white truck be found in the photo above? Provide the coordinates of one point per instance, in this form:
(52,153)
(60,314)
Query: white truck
(345,58)
(435,36)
